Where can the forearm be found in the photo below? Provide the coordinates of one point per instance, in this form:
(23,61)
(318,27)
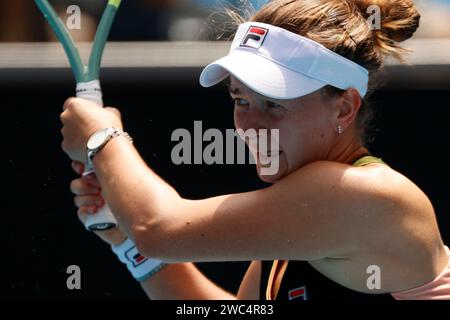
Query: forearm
(177,281)
(133,191)
(183,281)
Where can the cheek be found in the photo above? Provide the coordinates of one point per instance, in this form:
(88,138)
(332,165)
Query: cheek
(292,157)
(237,116)
(290,140)
(297,140)
(292,135)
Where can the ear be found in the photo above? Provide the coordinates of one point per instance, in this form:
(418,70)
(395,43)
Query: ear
(348,105)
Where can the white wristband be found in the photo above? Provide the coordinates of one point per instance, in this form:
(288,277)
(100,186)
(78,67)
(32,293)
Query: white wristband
(140,267)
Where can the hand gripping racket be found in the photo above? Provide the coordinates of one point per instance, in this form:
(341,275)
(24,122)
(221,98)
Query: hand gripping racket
(87,78)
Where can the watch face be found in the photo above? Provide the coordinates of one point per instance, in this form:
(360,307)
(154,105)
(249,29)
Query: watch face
(97,139)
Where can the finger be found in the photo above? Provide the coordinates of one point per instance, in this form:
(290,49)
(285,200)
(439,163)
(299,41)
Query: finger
(84,212)
(78,167)
(92,180)
(68,102)
(115,111)
(87,210)
(81,187)
(88,201)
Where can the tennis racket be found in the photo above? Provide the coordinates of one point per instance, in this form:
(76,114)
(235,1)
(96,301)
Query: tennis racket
(87,78)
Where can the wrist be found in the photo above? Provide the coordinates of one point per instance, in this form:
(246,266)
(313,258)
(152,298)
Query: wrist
(113,236)
(100,139)
(140,267)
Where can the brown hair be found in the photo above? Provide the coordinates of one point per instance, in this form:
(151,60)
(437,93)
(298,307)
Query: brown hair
(341,26)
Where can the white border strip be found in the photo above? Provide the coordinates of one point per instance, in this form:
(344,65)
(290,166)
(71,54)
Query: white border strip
(174,54)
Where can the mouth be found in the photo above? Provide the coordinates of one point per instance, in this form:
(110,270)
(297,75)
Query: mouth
(278,152)
(269,160)
(266,160)
(269,153)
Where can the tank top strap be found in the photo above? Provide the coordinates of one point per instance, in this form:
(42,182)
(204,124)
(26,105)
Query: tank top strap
(363,161)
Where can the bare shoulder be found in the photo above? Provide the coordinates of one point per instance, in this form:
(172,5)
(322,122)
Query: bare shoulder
(397,194)
(391,220)
(376,183)
(377,199)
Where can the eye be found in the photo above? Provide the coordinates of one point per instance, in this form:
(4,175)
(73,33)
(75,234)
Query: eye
(273,105)
(239,102)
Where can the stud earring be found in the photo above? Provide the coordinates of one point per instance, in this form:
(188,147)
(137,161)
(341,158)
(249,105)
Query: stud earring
(339,130)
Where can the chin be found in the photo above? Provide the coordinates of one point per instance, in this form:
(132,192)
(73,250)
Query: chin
(270,178)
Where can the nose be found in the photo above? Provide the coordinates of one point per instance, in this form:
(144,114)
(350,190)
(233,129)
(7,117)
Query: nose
(255,117)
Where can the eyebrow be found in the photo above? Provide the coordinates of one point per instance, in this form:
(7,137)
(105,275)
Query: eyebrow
(232,90)
(236,91)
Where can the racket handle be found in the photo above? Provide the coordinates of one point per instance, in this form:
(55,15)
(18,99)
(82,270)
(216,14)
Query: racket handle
(90,90)
(103,219)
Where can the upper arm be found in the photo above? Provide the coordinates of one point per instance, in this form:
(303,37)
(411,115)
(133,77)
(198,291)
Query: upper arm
(250,285)
(315,212)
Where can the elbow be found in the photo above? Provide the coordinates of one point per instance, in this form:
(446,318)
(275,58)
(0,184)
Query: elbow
(154,237)
(148,238)
(156,241)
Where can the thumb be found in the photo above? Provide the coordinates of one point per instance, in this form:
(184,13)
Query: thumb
(78,167)
(114,111)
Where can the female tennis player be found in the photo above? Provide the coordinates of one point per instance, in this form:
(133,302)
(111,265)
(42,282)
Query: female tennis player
(337,223)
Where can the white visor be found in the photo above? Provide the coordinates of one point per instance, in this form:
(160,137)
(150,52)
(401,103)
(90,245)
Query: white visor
(280,64)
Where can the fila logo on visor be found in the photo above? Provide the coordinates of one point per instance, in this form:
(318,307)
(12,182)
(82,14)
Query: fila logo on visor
(255,37)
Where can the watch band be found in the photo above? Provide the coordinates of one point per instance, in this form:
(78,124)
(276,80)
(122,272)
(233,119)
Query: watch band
(115,133)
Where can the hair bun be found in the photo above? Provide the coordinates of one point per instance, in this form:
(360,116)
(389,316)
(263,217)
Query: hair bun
(398,22)
(399,18)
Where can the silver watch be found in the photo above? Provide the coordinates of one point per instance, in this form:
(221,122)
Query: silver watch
(99,139)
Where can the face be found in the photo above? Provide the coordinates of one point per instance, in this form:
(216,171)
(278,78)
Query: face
(306,127)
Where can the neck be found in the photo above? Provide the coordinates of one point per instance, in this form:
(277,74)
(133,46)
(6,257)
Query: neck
(347,150)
